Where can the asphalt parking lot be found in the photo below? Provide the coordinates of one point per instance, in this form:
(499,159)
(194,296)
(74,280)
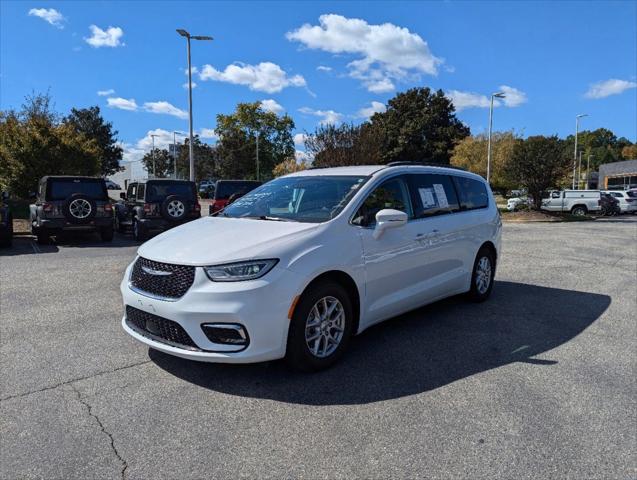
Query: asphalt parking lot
(540,381)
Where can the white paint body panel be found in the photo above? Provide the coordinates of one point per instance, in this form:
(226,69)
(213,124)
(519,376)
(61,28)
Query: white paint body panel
(407,267)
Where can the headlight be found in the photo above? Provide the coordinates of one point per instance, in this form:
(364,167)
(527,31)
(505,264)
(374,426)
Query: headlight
(236,272)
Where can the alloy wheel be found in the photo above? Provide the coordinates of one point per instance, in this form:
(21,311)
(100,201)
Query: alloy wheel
(175,208)
(80,208)
(483,275)
(325,326)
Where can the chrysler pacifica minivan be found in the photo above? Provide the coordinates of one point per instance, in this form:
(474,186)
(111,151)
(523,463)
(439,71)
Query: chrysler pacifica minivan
(299,265)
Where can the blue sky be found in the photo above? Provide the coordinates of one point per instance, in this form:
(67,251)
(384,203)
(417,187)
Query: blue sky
(324,61)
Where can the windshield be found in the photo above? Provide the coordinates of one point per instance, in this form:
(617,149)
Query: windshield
(225,189)
(158,191)
(62,188)
(311,199)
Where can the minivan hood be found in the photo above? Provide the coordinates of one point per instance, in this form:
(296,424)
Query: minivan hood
(214,240)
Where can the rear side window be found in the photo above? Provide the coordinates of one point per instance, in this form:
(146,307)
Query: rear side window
(432,195)
(63,188)
(158,191)
(140,191)
(392,194)
(473,193)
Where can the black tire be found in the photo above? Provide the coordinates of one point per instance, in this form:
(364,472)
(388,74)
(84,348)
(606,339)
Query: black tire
(6,239)
(106,234)
(171,214)
(477,293)
(298,354)
(80,199)
(579,210)
(118,224)
(43,237)
(139,232)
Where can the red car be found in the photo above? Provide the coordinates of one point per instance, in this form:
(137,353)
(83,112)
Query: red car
(227,191)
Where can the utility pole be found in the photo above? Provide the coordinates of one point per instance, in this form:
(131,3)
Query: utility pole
(579,171)
(588,171)
(494,95)
(577,117)
(257,155)
(184,33)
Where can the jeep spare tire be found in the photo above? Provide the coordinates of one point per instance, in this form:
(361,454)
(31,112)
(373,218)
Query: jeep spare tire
(79,209)
(174,208)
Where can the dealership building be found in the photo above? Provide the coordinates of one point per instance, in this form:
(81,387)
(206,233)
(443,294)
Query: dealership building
(618,175)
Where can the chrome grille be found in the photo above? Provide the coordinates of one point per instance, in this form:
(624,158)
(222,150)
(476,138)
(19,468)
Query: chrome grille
(162,280)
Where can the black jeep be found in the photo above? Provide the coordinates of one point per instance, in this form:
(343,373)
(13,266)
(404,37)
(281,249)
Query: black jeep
(6,222)
(156,205)
(71,203)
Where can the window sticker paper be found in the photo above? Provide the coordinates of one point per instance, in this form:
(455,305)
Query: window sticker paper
(441,195)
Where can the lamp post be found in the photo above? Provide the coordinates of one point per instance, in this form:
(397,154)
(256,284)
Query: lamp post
(154,171)
(184,33)
(577,117)
(258,155)
(493,95)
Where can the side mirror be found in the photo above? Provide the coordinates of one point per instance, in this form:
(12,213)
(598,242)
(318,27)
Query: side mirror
(122,195)
(388,218)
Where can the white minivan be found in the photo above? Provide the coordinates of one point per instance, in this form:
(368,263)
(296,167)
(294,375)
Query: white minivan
(298,266)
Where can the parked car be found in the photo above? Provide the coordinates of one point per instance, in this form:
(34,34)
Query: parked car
(111,185)
(206,190)
(6,221)
(577,202)
(298,266)
(609,205)
(230,190)
(627,199)
(71,203)
(155,206)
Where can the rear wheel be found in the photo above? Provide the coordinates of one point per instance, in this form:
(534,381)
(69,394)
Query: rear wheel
(579,210)
(482,275)
(42,236)
(118,224)
(6,240)
(321,327)
(139,232)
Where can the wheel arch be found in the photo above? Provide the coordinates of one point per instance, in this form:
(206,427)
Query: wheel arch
(347,282)
(490,246)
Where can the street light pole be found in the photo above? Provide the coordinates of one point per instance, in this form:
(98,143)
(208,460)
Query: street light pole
(154,171)
(579,170)
(191,157)
(257,155)
(577,117)
(494,95)
(588,171)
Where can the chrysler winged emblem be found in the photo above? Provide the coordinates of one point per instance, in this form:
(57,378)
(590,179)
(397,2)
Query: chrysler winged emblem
(152,271)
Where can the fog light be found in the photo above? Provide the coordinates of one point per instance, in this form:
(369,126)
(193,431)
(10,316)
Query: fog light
(226,333)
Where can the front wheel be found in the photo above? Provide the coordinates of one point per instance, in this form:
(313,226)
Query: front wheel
(321,327)
(482,275)
(579,210)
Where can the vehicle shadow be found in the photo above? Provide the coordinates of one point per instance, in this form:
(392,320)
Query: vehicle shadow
(27,245)
(417,352)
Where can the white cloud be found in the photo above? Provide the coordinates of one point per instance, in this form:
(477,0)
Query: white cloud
(111,37)
(299,139)
(301,156)
(374,107)
(513,96)
(463,100)
(606,88)
(386,52)
(265,77)
(105,93)
(163,107)
(323,68)
(271,105)
(122,103)
(208,133)
(185,85)
(49,15)
(326,116)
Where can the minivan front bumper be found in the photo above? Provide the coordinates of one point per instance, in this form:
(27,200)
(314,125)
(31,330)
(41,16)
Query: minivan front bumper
(259,306)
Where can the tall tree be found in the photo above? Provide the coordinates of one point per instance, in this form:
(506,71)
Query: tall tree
(346,144)
(419,125)
(538,164)
(89,122)
(629,152)
(159,163)
(206,160)
(471,154)
(289,166)
(238,136)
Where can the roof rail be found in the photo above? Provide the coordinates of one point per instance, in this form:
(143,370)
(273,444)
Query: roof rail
(422,164)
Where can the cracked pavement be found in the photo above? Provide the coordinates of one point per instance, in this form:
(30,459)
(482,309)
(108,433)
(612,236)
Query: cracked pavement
(540,381)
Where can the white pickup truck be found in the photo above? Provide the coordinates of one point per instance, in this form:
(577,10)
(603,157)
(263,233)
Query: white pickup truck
(577,202)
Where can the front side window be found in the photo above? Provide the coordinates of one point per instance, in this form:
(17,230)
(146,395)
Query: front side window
(140,191)
(473,193)
(432,195)
(312,199)
(392,194)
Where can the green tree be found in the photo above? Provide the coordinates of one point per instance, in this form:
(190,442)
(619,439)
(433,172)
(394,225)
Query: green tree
(289,166)
(419,125)
(89,122)
(159,163)
(471,154)
(238,136)
(629,152)
(346,144)
(538,164)
(602,145)
(206,160)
